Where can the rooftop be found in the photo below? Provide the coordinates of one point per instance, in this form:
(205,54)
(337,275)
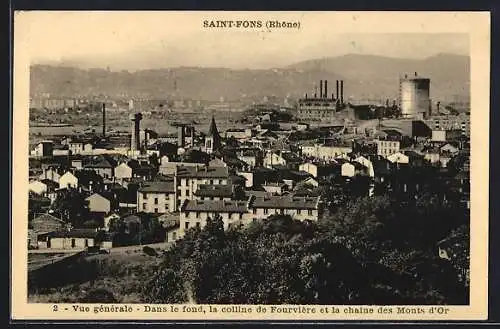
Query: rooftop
(215,206)
(202,172)
(214,190)
(158,187)
(285,202)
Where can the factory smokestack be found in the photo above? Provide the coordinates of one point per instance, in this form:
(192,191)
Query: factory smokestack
(320,88)
(325,95)
(103,119)
(337,94)
(342,91)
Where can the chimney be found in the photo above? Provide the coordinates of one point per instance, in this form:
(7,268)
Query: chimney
(342,91)
(320,88)
(103,119)
(325,95)
(337,95)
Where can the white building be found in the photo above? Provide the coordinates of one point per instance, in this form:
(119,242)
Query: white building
(68,180)
(386,148)
(398,158)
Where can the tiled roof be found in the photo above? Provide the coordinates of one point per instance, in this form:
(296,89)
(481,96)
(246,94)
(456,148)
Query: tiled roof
(74,233)
(285,202)
(214,190)
(158,187)
(202,172)
(220,206)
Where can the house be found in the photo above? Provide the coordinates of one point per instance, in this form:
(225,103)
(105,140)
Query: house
(387,147)
(275,188)
(101,166)
(37,187)
(68,180)
(80,146)
(187,179)
(398,157)
(217,162)
(76,239)
(273,158)
(351,169)
(366,163)
(44,148)
(47,223)
(194,213)
(214,192)
(123,171)
(249,157)
(51,174)
(301,208)
(98,204)
(325,152)
(157,197)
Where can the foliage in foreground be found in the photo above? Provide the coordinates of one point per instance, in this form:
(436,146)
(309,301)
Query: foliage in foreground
(363,256)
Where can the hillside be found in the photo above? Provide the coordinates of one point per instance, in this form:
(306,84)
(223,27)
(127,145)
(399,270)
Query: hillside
(366,77)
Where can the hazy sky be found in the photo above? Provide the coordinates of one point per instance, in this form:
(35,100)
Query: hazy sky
(140,40)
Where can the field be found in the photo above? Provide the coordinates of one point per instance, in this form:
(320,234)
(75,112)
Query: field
(121,274)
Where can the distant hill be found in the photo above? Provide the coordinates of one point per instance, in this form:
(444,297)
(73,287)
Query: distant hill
(365,77)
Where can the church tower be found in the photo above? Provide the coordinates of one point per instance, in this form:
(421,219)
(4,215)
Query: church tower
(212,140)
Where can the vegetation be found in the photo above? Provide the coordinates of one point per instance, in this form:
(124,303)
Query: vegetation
(366,254)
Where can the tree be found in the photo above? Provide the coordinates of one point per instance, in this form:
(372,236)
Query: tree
(73,207)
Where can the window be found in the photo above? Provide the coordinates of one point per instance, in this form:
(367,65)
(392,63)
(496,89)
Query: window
(73,243)
(144,206)
(156,200)
(144,196)
(299,211)
(174,235)
(310,212)
(266,211)
(156,210)
(241,216)
(86,242)
(198,224)
(186,225)
(187,192)
(254,211)
(197,214)
(186,214)
(211,182)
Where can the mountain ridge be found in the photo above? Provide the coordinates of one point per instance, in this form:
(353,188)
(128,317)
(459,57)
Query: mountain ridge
(365,77)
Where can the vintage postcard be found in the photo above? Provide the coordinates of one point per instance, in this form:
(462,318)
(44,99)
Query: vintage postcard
(250,165)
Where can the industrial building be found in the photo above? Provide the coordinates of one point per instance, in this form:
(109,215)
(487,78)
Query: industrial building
(414,97)
(321,107)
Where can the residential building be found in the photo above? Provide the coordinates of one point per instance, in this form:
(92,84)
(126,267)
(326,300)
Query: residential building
(37,187)
(325,152)
(76,239)
(187,179)
(157,197)
(194,213)
(387,147)
(98,204)
(398,157)
(68,180)
(123,171)
(301,208)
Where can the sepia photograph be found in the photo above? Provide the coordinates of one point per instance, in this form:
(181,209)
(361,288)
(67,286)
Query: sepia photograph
(250,159)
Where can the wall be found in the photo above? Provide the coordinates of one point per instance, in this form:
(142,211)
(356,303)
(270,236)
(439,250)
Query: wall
(166,202)
(65,243)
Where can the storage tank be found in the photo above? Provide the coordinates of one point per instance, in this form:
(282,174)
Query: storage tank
(414,96)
